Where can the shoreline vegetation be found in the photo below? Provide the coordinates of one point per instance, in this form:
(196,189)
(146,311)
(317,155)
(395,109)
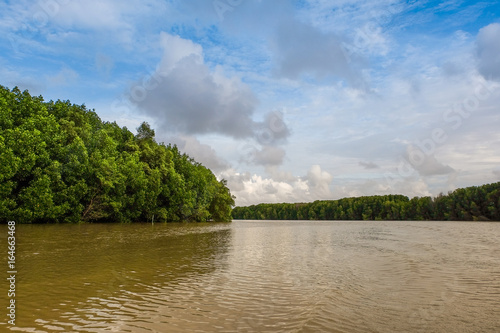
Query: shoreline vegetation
(61,163)
(476,203)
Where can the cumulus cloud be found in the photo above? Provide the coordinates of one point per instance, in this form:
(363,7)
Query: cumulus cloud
(270,189)
(176,49)
(302,49)
(273,129)
(253,189)
(319,181)
(187,96)
(452,69)
(280,175)
(267,156)
(488,51)
(202,153)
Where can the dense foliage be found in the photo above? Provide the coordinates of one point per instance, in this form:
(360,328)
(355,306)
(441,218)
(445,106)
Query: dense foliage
(468,204)
(60,163)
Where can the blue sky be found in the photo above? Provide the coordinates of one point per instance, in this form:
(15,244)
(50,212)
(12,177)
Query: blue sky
(290,101)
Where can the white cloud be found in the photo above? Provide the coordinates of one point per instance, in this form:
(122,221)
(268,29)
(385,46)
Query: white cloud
(488,50)
(185,95)
(96,15)
(319,181)
(175,50)
(253,189)
(267,156)
(213,85)
(426,164)
(202,153)
(89,14)
(302,49)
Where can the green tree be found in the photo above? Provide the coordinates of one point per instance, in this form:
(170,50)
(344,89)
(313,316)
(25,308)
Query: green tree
(61,163)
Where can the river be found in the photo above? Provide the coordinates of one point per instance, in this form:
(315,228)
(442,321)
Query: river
(257,276)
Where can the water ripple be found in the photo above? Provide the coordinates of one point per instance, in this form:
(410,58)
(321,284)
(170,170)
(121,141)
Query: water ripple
(261,277)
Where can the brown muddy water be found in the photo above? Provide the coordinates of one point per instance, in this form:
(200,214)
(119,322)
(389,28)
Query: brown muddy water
(256,276)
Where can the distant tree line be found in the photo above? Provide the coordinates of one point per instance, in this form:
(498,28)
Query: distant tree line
(477,203)
(59,162)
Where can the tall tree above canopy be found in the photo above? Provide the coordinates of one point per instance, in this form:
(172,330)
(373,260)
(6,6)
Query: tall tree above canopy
(145,132)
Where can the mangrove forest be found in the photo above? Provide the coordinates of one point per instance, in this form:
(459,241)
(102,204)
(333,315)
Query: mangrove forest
(476,203)
(61,163)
